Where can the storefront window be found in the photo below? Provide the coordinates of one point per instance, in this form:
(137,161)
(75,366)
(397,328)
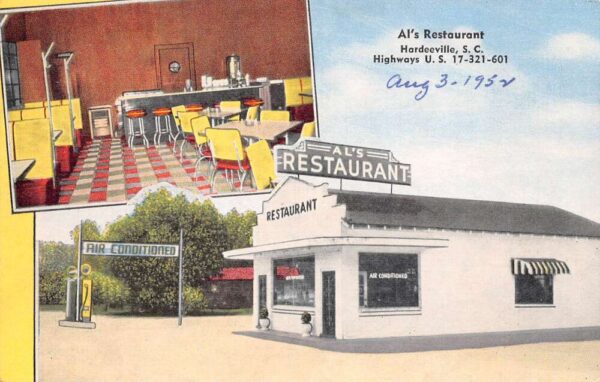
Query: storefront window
(388,281)
(533,289)
(294,281)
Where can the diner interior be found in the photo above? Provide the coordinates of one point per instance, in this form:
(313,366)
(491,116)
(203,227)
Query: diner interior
(104,100)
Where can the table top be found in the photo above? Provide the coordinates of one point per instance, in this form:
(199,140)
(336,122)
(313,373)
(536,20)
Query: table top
(268,130)
(57,134)
(20,168)
(221,113)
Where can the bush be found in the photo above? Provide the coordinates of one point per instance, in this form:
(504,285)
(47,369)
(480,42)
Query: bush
(264,313)
(306,318)
(109,290)
(53,288)
(194,301)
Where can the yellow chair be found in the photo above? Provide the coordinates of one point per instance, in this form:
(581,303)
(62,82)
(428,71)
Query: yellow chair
(199,126)
(292,88)
(274,115)
(231,105)
(227,155)
(308,130)
(252,113)
(32,140)
(185,125)
(262,164)
(175,134)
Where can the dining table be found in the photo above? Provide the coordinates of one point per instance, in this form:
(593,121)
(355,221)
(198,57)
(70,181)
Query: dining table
(20,168)
(270,131)
(218,116)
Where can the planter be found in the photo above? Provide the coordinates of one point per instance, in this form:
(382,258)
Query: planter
(306,330)
(264,323)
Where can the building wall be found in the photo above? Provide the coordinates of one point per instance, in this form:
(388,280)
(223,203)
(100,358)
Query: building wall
(465,288)
(469,288)
(114,45)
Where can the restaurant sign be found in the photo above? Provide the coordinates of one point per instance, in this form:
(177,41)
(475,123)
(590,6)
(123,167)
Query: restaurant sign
(316,158)
(103,248)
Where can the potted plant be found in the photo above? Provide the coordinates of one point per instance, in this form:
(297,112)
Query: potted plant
(263,319)
(306,325)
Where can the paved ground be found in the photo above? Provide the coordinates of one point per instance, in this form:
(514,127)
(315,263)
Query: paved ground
(205,349)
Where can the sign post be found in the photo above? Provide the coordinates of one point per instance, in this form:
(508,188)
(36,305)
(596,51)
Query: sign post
(180,304)
(78,312)
(105,248)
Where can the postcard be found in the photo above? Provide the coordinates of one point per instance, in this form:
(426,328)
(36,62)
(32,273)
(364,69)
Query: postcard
(202,190)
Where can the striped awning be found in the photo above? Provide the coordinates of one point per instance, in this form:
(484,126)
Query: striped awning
(539,267)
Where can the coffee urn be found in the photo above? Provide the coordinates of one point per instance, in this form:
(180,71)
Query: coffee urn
(234,70)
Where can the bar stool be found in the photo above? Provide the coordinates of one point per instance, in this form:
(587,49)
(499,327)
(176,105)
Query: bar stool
(136,114)
(162,128)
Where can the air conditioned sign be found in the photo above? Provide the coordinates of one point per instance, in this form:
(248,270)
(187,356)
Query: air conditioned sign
(102,248)
(316,158)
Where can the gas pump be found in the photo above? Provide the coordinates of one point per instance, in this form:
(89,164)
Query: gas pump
(85,308)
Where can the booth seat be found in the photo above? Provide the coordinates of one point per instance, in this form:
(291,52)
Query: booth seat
(65,155)
(55,103)
(32,140)
(299,106)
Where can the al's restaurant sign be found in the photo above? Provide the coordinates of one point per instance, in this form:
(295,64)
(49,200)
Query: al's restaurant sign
(316,158)
(103,248)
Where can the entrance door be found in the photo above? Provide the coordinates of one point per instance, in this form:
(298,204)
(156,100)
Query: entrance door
(174,64)
(329,304)
(262,292)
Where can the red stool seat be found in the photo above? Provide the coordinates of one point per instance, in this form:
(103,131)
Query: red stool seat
(161,111)
(253,102)
(194,107)
(135,113)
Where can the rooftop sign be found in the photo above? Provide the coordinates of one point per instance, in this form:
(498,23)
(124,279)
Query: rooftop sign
(103,248)
(316,158)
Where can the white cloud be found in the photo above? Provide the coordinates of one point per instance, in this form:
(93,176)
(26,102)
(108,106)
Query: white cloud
(496,144)
(567,113)
(571,46)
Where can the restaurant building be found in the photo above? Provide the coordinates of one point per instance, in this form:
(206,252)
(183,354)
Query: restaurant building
(372,265)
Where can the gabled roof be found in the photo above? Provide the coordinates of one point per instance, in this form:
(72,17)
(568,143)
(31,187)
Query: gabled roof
(460,214)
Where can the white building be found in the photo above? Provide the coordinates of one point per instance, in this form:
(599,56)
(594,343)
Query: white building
(369,265)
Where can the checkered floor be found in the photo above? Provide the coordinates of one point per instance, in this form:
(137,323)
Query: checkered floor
(108,170)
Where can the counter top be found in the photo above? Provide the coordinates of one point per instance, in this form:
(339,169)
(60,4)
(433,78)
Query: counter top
(206,90)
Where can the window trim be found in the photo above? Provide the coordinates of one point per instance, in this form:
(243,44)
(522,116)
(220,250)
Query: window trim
(396,310)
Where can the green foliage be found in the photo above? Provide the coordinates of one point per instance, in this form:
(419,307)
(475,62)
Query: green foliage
(306,318)
(263,313)
(109,290)
(55,257)
(194,301)
(153,281)
(91,232)
(53,287)
(239,228)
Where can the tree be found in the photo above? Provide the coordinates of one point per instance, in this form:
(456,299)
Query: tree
(91,232)
(239,228)
(153,282)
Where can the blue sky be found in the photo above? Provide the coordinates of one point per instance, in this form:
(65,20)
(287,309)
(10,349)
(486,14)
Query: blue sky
(535,141)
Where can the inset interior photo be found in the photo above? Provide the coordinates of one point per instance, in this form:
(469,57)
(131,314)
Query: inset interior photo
(103,100)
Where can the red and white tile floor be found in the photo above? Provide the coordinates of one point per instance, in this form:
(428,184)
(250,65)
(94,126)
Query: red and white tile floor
(107,170)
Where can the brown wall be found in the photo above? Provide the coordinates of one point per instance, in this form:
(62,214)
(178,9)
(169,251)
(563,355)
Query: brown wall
(31,71)
(114,45)
(15,28)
